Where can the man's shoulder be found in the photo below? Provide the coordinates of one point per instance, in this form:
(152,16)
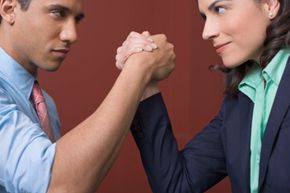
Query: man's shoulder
(8,93)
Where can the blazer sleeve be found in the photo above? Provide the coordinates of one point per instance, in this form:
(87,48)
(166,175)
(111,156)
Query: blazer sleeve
(196,168)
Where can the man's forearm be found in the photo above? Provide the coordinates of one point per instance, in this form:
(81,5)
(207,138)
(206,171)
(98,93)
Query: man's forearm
(84,155)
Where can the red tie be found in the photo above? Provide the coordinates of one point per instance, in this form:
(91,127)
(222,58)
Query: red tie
(41,109)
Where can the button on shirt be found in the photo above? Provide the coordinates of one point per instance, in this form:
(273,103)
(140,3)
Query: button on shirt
(26,154)
(261,85)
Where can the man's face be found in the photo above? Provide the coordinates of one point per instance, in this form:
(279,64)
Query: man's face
(43,34)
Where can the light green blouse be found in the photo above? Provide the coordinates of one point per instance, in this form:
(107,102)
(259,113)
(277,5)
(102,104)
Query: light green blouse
(261,85)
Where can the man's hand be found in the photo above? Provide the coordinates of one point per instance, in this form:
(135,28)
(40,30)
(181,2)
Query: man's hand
(153,53)
(134,43)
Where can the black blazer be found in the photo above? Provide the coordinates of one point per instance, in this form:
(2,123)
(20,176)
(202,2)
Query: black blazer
(220,149)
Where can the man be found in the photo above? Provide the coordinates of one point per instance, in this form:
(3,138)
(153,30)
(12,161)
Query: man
(37,34)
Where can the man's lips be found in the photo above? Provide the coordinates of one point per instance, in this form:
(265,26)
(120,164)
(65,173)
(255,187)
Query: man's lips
(62,52)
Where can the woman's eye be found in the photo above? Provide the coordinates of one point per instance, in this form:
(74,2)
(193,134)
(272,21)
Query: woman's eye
(219,9)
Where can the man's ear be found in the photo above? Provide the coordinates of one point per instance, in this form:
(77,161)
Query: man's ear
(7,10)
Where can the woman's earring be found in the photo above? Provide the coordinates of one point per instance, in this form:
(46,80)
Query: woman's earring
(271,15)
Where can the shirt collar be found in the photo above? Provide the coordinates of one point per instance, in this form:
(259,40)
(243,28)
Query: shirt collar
(275,68)
(251,81)
(253,77)
(16,74)
(272,73)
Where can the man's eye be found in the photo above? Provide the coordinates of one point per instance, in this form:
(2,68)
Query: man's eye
(219,9)
(59,13)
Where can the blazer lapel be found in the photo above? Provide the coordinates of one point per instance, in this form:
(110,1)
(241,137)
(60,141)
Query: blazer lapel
(246,114)
(279,109)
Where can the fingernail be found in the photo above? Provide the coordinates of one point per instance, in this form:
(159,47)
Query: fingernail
(154,46)
(150,40)
(139,49)
(149,48)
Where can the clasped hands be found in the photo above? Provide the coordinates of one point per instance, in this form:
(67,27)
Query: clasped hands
(152,52)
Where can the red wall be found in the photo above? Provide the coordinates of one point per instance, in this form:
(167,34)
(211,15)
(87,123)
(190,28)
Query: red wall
(192,92)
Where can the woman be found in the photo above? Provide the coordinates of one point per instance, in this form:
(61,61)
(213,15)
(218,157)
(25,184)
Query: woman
(249,138)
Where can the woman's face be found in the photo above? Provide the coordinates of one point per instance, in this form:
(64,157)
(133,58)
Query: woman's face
(237,28)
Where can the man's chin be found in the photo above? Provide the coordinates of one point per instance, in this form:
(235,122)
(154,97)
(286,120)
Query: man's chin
(51,68)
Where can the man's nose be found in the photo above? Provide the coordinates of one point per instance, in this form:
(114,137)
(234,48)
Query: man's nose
(69,32)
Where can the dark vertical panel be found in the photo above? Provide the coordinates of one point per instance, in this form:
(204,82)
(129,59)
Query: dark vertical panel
(192,93)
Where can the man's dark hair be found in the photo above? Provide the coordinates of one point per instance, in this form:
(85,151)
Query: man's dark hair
(24,4)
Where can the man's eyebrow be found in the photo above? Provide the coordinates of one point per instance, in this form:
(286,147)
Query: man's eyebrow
(57,6)
(79,16)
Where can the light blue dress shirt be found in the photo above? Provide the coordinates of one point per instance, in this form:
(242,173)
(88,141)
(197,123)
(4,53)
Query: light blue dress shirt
(26,153)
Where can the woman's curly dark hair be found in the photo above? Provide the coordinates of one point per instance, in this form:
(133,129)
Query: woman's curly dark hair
(24,4)
(277,37)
